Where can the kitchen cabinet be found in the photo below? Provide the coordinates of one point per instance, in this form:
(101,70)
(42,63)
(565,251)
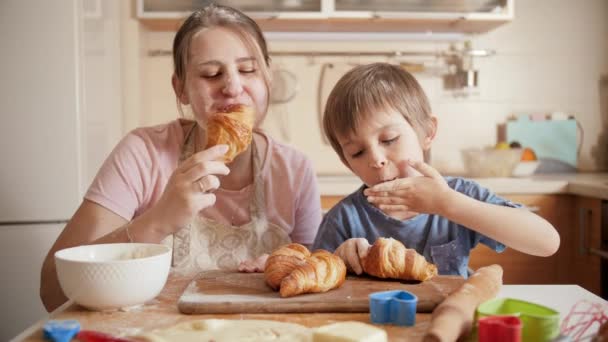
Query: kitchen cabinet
(345,15)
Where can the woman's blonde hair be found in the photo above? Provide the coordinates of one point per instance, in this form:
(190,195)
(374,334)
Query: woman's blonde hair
(369,88)
(215,15)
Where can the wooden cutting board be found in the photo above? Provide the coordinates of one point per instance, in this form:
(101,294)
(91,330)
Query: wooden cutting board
(222,292)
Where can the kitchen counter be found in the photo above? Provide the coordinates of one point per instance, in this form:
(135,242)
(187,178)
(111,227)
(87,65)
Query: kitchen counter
(583,184)
(162,312)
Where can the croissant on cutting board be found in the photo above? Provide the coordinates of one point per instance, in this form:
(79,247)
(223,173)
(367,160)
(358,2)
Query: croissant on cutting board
(233,127)
(389,258)
(293,270)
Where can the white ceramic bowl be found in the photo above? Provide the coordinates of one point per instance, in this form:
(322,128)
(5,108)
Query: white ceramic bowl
(113,276)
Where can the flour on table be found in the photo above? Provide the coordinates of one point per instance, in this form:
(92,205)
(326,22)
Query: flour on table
(230,330)
(219,330)
(349,332)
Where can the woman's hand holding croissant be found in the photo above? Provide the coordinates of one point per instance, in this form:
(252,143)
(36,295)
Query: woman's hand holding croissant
(352,251)
(189,189)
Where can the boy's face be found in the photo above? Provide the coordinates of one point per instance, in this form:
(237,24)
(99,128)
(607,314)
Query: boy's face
(380,150)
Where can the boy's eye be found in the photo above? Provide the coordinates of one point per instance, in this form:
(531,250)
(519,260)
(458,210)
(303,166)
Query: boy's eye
(356,154)
(390,141)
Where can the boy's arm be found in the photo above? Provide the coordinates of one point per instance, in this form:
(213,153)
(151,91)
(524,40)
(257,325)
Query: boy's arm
(517,228)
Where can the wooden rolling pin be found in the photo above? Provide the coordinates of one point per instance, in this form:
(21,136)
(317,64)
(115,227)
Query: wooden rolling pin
(454,317)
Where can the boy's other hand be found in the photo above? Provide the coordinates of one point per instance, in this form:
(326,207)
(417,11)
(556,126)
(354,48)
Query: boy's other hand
(352,251)
(405,197)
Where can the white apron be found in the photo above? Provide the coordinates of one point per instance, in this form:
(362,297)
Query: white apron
(206,244)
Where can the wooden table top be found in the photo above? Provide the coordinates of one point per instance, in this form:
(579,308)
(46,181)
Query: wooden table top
(162,312)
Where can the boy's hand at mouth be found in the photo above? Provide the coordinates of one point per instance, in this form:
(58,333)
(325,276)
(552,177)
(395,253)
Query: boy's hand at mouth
(405,197)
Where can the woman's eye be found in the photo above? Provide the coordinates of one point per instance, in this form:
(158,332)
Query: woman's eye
(247,71)
(211,75)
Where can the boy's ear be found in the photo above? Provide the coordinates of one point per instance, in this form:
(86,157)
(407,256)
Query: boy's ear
(178,88)
(428,140)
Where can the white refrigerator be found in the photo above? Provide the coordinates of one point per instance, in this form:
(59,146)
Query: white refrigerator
(45,147)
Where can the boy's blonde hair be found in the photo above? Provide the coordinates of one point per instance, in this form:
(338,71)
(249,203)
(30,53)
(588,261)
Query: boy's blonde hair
(369,88)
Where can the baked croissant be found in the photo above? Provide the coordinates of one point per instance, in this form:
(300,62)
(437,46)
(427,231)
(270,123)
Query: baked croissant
(232,127)
(293,270)
(388,258)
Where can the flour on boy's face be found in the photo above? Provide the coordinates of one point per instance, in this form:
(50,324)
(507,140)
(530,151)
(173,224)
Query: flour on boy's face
(379,149)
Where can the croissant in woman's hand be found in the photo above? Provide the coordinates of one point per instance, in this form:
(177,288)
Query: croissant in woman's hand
(294,271)
(388,258)
(232,127)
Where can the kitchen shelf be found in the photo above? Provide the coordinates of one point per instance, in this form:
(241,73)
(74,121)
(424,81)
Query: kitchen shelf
(447,16)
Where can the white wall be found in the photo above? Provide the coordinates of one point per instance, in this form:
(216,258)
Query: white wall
(550,58)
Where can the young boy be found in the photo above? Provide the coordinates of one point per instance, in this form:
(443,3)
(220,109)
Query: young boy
(379,121)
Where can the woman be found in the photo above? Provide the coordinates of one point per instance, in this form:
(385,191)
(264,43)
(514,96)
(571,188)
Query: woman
(160,184)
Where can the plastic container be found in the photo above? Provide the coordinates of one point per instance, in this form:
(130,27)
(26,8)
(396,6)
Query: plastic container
(393,307)
(491,162)
(540,323)
(499,329)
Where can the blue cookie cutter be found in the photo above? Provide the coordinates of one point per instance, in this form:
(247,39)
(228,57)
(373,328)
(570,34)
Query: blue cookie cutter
(393,307)
(61,331)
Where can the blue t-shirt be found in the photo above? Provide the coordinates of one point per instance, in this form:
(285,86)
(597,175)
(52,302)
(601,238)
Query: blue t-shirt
(439,240)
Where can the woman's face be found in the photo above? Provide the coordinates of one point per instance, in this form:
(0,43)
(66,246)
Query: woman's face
(222,71)
(381,147)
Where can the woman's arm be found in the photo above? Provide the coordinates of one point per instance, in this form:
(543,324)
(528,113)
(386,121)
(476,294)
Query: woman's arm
(91,224)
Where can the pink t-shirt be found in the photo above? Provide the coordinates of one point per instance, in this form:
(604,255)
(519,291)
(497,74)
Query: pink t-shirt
(134,176)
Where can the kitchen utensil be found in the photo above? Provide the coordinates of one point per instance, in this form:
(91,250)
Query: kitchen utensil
(97,336)
(393,307)
(540,323)
(221,292)
(329,75)
(499,329)
(583,316)
(453,318)
(60,331)
(113,276)
(284,86)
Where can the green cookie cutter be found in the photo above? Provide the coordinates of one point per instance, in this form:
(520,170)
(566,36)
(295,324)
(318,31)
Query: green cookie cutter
(540,323)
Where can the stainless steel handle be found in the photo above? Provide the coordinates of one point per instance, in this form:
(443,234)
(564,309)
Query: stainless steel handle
(599,252)
(584,215)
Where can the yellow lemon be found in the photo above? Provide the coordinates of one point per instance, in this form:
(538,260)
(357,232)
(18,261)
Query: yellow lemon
(502,146)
